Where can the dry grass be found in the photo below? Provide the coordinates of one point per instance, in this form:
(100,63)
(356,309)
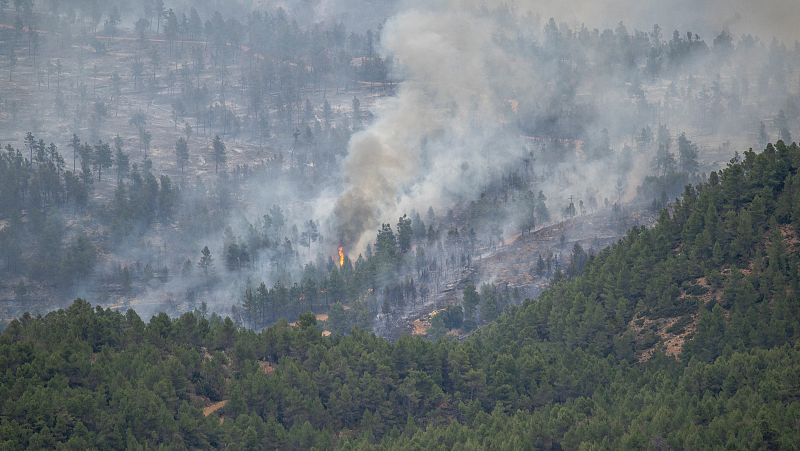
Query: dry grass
(420,327)
(710,294)
(208,410)
(790,237)
(266,367)
(672,342)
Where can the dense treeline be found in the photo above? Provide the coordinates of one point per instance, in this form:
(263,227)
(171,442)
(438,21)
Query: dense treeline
(571,369)
(121,82)
(39,194)
(405,268)
(286,91)
(638,57)
(33,188)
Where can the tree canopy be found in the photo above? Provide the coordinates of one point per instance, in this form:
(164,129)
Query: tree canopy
(683,335)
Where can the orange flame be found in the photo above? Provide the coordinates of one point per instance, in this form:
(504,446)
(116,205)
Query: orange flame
(341,256)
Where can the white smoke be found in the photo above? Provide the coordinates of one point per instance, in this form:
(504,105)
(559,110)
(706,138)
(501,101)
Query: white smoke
(441,135)
(451,127)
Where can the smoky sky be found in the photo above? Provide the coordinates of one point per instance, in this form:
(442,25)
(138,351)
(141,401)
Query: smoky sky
(449,130)
(767,18)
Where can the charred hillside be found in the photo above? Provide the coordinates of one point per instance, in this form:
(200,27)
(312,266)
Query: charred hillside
(682,335)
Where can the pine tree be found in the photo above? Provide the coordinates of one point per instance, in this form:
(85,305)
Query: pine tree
(327,113)
(404,234)
(386,247)
(76,148)
(763,138)
(121,159)
(783,127)
(102,158)
(86,153)
(206,262)
(664,160)
(218,152)
(471,302)
(687,155)
(182,153)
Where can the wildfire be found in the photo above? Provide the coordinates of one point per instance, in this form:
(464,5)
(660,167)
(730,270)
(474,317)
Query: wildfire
(341,256)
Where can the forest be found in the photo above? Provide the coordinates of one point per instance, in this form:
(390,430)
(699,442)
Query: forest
(592,362)
(383,224)
(168,157)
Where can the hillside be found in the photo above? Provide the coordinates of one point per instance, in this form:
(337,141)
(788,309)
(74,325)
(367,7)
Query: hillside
(683,335)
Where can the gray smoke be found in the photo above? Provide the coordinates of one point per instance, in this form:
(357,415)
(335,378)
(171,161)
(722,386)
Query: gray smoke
(432,141)
(454,121)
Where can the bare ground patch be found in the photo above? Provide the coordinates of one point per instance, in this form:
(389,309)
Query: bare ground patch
(208,410)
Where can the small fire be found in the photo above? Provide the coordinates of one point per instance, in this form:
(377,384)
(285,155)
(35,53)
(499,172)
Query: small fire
(341,256)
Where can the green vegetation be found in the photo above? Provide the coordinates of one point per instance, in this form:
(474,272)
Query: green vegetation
(583,366)
(31,236)
(39,194)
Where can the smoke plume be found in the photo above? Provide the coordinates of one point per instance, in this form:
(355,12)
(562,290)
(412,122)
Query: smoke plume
(430,142)
(473,85)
